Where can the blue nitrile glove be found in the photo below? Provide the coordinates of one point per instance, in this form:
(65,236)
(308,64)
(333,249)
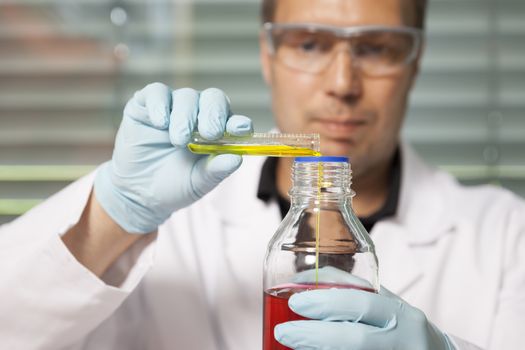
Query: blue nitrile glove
(358,320)
(152,173)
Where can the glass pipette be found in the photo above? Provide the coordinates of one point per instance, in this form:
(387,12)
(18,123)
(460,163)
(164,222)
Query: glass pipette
(259,144)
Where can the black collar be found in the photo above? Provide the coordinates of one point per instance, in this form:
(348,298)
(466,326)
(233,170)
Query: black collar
(267,191)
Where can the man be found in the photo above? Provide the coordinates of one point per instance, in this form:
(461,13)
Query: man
(75,267)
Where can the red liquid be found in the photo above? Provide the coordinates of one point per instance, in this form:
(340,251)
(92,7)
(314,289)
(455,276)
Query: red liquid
(276,308)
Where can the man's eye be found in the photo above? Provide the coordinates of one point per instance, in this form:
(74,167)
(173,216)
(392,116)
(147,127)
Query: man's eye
(309,45)
(370,50)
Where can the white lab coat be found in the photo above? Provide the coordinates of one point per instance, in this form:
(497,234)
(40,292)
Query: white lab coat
(456,253)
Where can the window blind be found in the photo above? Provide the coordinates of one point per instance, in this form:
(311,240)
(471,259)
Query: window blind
(67,69)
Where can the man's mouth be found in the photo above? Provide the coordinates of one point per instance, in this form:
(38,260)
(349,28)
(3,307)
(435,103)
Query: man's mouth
(337,128)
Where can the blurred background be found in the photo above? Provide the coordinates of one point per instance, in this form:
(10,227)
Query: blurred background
(68,67)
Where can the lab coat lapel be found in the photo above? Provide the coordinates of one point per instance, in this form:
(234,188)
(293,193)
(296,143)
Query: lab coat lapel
(425,208)
(398,266)
(421,220)
(246,226)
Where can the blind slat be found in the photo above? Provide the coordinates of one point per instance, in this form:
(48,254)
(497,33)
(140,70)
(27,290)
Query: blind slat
(66,72)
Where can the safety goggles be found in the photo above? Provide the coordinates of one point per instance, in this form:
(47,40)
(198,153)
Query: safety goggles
(311,48)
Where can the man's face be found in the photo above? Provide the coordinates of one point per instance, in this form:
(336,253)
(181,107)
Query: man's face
(356,115)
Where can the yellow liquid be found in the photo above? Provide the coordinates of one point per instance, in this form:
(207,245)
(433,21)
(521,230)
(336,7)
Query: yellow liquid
(254,150)
(318,221)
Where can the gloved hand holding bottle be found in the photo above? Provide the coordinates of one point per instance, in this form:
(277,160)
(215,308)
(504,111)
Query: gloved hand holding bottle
(152,173)
(354,319)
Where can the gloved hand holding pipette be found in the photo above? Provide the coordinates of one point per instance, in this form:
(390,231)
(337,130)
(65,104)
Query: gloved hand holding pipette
(152,173)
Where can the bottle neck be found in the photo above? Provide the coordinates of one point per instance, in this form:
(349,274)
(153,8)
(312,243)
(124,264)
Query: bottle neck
(323,181)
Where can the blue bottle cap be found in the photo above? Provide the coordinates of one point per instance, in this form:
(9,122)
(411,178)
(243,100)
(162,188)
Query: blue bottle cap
(322,159)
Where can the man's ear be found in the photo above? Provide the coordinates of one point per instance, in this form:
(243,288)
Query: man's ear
(265,58)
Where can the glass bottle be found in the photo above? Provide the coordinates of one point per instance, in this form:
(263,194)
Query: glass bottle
(319,244)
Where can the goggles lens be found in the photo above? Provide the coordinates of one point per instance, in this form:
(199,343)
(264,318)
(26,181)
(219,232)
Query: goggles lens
(377,51)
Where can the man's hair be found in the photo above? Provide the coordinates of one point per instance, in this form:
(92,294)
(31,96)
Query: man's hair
(268,11)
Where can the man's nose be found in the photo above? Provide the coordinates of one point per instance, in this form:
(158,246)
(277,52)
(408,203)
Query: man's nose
(343,78)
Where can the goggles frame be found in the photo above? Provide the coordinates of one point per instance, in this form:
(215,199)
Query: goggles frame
(345,33)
